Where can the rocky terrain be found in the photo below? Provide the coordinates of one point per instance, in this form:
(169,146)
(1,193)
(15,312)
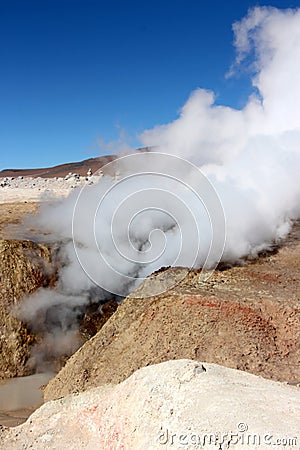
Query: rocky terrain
(24,267)
(38,189)
(176,404)
(244,317)
(34,185)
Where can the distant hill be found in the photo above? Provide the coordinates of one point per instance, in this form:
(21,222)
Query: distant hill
(61,170)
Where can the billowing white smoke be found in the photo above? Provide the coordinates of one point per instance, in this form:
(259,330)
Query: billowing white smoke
(116,233)
(205,133)
(252,155)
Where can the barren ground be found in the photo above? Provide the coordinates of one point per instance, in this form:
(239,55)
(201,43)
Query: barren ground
(12,213)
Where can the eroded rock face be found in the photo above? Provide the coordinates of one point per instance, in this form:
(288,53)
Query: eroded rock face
(176,404)
(246,318)
(95,317)
(24,267)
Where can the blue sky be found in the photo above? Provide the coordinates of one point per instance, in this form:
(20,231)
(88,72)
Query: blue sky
(75,73)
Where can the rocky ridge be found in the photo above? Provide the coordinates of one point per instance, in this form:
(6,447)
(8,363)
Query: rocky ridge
(245,317)
(24,267)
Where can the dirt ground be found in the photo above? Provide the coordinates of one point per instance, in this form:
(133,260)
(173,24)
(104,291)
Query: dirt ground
(15,418)
(11,214)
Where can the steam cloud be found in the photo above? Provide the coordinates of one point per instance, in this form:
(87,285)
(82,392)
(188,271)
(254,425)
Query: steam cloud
(252,156)
(249,161)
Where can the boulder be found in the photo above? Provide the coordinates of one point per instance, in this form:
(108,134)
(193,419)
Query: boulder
(172,405)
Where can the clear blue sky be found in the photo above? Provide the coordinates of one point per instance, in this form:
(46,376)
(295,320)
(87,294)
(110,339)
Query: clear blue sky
(76,71)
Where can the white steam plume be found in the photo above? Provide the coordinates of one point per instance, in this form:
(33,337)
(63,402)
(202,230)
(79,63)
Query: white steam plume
(206,133)
(250,159)
(252,155)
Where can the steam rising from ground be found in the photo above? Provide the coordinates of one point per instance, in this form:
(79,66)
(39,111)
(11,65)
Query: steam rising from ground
(250,156)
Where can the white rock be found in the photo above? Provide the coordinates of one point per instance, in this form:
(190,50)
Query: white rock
(172,405)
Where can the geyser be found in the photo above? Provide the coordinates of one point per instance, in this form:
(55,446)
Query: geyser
(158,212)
